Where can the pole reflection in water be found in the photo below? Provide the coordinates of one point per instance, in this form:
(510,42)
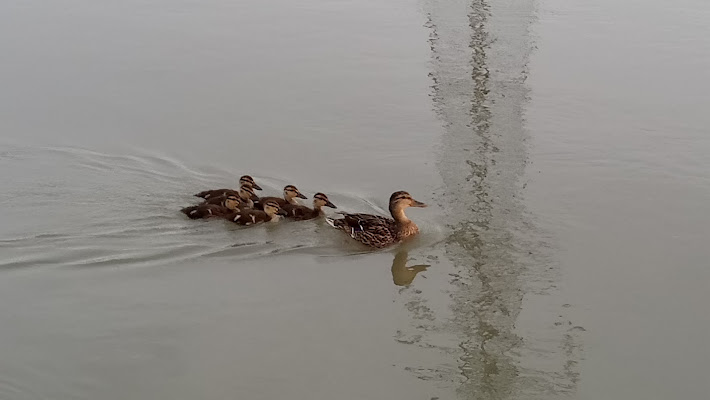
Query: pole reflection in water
(479,94)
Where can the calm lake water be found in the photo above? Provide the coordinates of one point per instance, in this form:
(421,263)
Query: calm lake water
(562,148)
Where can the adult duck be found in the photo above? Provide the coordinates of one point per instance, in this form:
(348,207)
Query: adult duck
(378,231)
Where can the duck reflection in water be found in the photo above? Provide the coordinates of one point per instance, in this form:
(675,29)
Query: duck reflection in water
(402,275)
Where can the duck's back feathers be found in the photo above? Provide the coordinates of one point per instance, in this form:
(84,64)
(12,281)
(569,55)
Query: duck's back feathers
(208,194)
(220,200)
(371,230)
(259,205)
(206,211)
(299,213)
(248,217)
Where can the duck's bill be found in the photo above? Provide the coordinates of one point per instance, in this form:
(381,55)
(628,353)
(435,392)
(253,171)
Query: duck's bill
(416,203)
(301,196)
(254,197)
(331,205)
(255,186)
(282,212)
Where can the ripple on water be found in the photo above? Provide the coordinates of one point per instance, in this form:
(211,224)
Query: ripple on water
(93,209)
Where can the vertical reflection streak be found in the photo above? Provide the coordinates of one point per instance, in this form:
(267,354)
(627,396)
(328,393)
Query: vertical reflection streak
(478,93)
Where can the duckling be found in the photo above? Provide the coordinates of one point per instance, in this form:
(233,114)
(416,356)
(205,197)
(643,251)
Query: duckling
(246,197)
(228,206)
(302,213)
(272,213)
(245,179)
(290,194)
(377,231)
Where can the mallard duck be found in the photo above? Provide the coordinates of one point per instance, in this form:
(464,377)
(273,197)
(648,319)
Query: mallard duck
(245,179)
(228,206)
(290,195)
(245,195)
(377,231)
(272,212)
(302,213)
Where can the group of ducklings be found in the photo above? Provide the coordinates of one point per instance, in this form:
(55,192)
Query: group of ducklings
(244,207)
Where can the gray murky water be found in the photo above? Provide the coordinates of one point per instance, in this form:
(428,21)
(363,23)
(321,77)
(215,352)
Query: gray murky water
(562,148)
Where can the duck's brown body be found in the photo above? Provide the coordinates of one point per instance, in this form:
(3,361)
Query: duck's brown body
(210,194)
(248,217)
(271,212)
(374,230)
(244,180)
(301,213)
(206,211)
(290,194)
(259,205)
(378,231)
(220,200)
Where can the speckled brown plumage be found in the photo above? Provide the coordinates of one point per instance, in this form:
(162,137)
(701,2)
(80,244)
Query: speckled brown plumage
(378,231)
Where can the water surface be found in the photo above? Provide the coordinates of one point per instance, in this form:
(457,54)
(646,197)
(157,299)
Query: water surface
(560,146)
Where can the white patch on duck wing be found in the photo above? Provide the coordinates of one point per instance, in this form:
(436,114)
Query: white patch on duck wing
(237,218)
(193,212)
(209,211)
(330,221)
(253,218)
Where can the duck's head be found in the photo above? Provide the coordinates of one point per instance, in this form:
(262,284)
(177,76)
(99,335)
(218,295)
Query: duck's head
(232,202)
(246,192)
(401,200)
(246,179)
(271,208)
(321,200)
(291,191)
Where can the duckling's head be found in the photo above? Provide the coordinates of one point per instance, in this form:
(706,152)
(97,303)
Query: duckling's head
(291,191)
(271,208)
(401,200)
(246,192)
(232,202)
(321,200)
(246,179)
